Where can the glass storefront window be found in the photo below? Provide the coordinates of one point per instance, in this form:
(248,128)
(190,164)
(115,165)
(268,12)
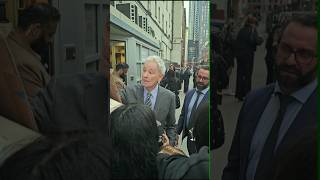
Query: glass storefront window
(117,52)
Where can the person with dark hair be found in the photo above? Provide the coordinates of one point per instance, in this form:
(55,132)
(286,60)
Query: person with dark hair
(125,72)
(116,76)
(186,77)
(36,28)
(78,101)
(172,164)
(172,82)
(193,99)
(135,145)
(274,119)
(72,156)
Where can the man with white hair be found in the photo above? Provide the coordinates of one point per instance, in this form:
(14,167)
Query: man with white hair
(159,99)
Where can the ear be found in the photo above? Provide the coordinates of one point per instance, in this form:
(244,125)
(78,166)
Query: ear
(34,30)
(160,78)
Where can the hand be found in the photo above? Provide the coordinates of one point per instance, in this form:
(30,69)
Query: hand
(165,140)
(171,150)
(177,141)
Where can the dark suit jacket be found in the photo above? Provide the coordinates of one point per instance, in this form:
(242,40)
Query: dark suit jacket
(300,161)
(249,116)
(164,108)
(182,124)
(76,102)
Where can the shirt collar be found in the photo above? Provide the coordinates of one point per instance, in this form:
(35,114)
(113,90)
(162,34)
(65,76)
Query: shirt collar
(302,94)
(204,91)
(154,92)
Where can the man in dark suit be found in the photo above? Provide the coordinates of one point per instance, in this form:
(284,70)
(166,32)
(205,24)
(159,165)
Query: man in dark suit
(159,99)
(273,119)
(193,99)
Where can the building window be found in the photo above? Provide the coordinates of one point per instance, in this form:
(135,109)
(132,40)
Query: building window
(159,15)
(117,52)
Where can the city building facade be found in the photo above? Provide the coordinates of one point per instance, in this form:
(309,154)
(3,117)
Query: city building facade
(139,29)
(179,26)
(204,21)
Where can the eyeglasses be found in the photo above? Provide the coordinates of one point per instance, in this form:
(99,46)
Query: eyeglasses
(303,56)
(203,78)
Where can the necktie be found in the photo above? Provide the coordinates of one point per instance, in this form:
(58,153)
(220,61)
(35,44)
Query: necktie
(194,108)
(148,100)
(265,162)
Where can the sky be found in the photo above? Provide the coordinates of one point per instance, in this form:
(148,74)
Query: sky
(186,5)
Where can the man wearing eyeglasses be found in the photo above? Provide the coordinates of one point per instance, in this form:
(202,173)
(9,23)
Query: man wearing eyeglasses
(274,121)
(193,100)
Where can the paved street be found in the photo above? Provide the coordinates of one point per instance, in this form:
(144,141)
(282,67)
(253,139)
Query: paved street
(231,107)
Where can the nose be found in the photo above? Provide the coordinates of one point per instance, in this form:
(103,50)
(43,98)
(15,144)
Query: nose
(291,60)
(145,74)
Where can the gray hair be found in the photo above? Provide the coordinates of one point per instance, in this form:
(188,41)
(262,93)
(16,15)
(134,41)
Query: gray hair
(159,62)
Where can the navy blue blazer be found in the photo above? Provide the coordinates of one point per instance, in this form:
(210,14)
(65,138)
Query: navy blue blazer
(249,116)
(182,123)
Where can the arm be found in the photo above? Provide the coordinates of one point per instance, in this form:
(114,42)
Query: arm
(43,106)
(181,118)
(124,95)
(171,120)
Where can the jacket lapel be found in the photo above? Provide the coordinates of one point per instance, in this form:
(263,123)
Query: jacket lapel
(140,97)
(203,101)
(158,101)
(305,119)
(253,115)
